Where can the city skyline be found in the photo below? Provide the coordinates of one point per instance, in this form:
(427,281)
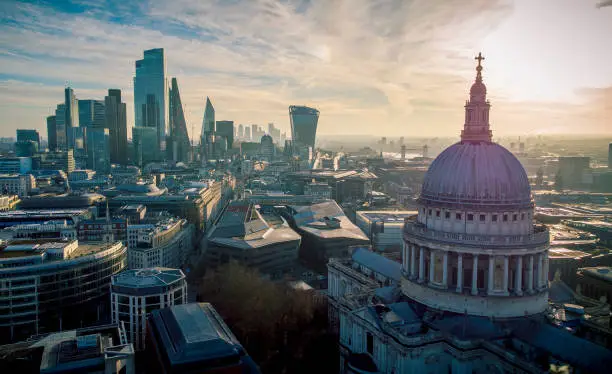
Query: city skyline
(397,77)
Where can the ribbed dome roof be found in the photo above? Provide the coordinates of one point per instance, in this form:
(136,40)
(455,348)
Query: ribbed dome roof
(483,174)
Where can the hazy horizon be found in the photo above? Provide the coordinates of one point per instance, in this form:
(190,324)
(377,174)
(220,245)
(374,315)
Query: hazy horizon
(373,68)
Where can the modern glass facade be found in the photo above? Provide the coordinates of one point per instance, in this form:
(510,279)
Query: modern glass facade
(28,135)
(71,118)
(151,94)
(178,147)
(208,130)
(51,133)
(41,293)
(303,125)
(225,129)
(116,122)
(91,113)
(60,127)
(98,149)
(145,145)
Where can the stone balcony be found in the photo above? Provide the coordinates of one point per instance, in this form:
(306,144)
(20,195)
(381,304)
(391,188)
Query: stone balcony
(540,237)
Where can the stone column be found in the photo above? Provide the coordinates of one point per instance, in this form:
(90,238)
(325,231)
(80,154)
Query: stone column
(459,273)
(413,262)
(530,275)
(518,276)
(405,250)
(432,265)
(445,270)
(422,265)
(491,271)
(506,269)
(545,254)
(540,271)
(475,276)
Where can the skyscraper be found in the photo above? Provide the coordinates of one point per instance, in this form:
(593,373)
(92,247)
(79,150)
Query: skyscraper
(116,122)
(145,140)
(91,113)
(303,125)
(98,149)
(225,129)
(178,147)
(151,95)
(71,117)
(51,133)
(247,133)
(60,127)
(240,131)
(28,135)
(610,156)
(208,129)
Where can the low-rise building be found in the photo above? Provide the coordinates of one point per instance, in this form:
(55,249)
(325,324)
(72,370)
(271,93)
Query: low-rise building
(165,243)
(596,282)
(96,229)
(188,336)
(318,189)
(100,349)
(21,217)
(136,293)
(383,227)
(15,165)
(81,175)
(17,184)
(257,240)
(8,202)
(46,230)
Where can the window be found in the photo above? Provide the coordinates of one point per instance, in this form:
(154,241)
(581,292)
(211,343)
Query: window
(470,217)
(430,212)
(514,217)
(482,218)
(370,344)
(522,216)
(505,218)
(494,218)
(458,216)
(447,215)
(437,213)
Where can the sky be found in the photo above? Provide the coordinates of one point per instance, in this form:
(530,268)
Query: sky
(373,67)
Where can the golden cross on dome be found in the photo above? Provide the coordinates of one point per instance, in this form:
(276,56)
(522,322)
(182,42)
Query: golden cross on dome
(480,57)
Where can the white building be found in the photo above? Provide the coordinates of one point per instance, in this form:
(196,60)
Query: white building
(135,293)
(473,290)
(165,243)
(18,184)
(383,227)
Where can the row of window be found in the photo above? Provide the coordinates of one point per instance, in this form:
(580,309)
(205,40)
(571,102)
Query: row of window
(505,217)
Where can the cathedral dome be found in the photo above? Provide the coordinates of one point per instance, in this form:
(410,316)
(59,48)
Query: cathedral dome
(477,174)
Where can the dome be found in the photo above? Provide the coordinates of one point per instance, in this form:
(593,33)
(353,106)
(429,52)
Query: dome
(482,174)
(478,90)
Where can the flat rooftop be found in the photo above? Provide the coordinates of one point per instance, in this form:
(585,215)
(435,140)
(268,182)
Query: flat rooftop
(555,252)
(602,272)
(150,277)
(387,216)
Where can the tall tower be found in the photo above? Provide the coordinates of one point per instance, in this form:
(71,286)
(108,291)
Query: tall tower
(304,122)
(178,146)
(116,122)
(71,117)
(51,133)
(208,130)
(610,156)
(151,94)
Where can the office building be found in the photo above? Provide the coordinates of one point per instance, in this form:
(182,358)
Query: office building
(59,201)
(165,243)
(610,156)
(26,148)
(98,229)
(60,127)
(573,171)
(303,125)
(46,282)
(8,202)
(263,241)
(151,104)
(267,148)
(326,233)
(274,133)
(319,190)
(17,184)
(247,133)
(193,335)
(116,121)
(179,146)
(225,129)
(32,217)
(71,117)
(15,165)
(91,113)
(208,130)
(240,132)
(136,293)
(145,145)
(51,133)
(28,135)
(57,160)
(47,230)
(384,228)
(98,150)
(100,349)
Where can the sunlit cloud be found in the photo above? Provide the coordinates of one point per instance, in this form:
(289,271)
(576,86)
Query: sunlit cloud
(394,67)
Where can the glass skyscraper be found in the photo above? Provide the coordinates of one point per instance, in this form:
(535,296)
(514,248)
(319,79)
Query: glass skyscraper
(151,95)
(98,149)
(51,133)
(208,130)
(60,127)
(303,125)
(144,140)
(71,117)
(116,122)
(178,147)
(91,113)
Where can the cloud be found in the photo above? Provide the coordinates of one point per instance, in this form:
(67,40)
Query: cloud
(371,66)
(604,3)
